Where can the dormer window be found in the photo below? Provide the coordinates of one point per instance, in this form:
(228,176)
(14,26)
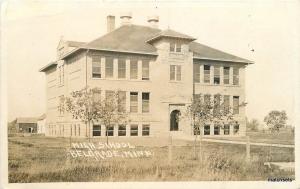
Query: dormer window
(175,47)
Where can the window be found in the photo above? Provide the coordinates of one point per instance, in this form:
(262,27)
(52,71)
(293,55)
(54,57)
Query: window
(96,130)
(61,107)
(235,76)
(145,102)
(133,69)
(145,70)
(197,73)
(109,95)
(206,74)
(71,126)
(226,103)
(178,73)
(178,47)
(121,68)
(172,47)
(96,95)
(96,67)
(110,131)
(122,130)
(226,75)
(109,67)
(207,130)
(207,100)
(121,101)
(217,103)
(217,75)
(236,129)
(175,73)
(175,47)
(226,129)
(61,74)
(236,105)
(134,102)
(134,130)
(146,130)
(196,130)
(75,128)
(172,72)
(216,130)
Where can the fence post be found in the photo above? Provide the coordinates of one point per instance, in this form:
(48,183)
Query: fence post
(248,149)
(170,150)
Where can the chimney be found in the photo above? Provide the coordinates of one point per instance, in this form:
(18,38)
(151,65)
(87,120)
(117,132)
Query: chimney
(110,23)
(125,18)
(153,21)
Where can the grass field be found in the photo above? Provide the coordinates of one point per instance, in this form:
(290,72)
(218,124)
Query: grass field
(44,159)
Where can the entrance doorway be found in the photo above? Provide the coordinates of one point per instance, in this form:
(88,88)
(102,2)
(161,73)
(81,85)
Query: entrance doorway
(174,120)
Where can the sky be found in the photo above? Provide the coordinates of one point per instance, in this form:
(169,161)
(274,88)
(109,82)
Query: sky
(31,31)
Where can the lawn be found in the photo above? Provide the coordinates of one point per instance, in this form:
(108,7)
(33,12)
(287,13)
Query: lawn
(45,159)
(266,137)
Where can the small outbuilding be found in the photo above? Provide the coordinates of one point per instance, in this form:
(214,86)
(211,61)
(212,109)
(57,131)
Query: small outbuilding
(26,125)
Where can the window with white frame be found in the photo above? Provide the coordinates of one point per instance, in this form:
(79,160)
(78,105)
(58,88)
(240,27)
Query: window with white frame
(121,68)
(109,130)
(134,130)
(236,105)
(109,67)
(145,70)
(96,130)
(235,76)
(96,67)
(121,101)
(236,128)
(134,102)
(145,102)
(175,47)
(226,71)
(216,75)
(226,129)
(122,130)
(133,69)
(175,72)
(197,73)
(206,129)
(145,130)
(226,102)
(206,73)
(216,129)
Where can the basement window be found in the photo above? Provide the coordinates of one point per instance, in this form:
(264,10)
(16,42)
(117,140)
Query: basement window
(207,130)
(96,130)
(226,129)
(110,131)
(146,130)
(236,129)
(122,130)
(216,130)
(134,130)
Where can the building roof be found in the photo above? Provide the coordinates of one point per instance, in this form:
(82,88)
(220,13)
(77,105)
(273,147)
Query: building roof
(48,66)
(136,39)
(170,33)
(201,51)
(127,38)
(26,120)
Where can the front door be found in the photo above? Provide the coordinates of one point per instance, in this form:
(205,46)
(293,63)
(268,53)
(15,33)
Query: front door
(174,120)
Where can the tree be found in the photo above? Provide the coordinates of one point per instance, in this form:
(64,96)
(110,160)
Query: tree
(252,125)
(88,106)
(276,120)
(204,111)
